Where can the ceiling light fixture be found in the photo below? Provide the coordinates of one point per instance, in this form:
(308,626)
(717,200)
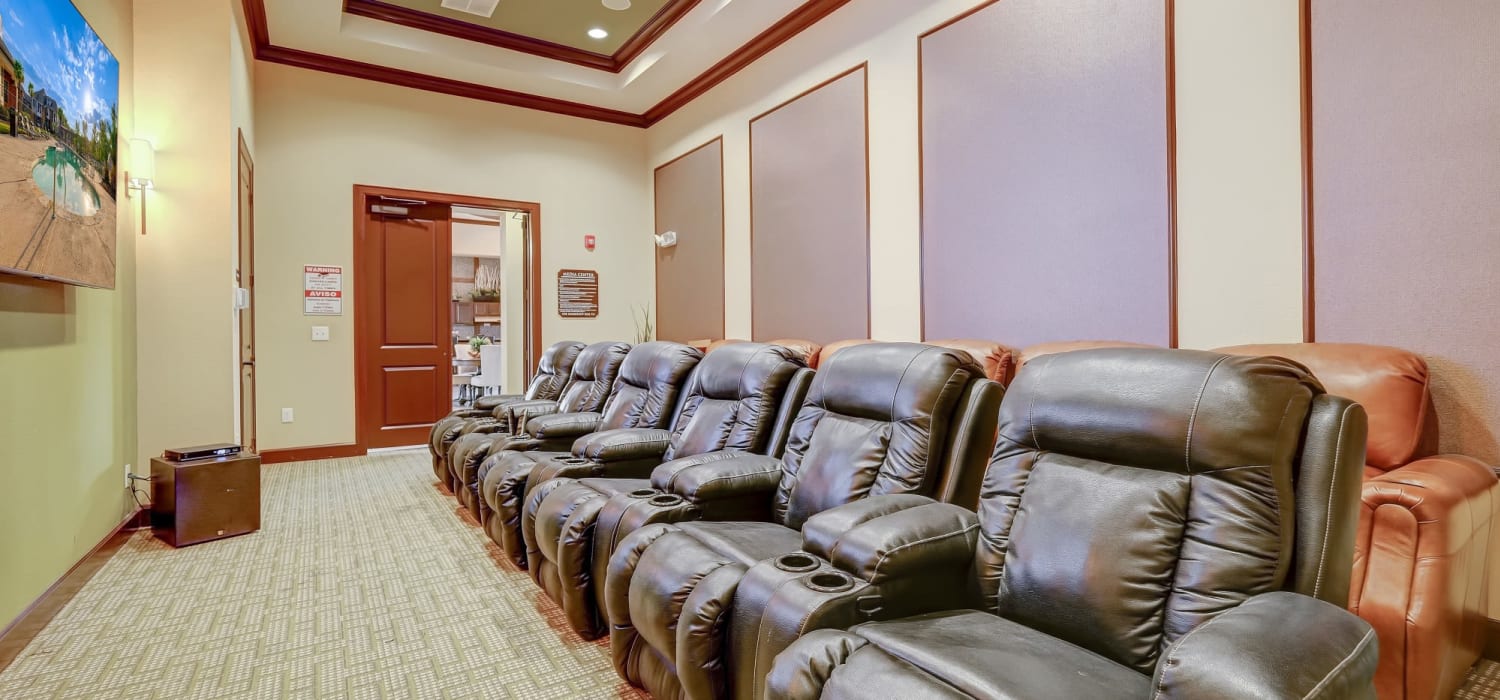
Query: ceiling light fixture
(617,5)
(598,33)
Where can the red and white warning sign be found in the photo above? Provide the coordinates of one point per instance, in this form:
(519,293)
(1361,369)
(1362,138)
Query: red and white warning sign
(322,290)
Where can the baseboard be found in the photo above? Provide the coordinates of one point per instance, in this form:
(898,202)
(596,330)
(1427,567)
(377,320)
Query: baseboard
(305,454)
(32,620)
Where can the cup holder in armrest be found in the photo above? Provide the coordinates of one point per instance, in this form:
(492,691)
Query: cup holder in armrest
(575,460)
(664,500)
(796,562)
(643,493)
(828,582)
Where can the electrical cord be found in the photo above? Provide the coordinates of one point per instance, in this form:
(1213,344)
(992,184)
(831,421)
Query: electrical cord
(136,493)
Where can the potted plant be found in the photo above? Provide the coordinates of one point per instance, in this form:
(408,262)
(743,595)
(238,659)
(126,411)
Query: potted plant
(476,342)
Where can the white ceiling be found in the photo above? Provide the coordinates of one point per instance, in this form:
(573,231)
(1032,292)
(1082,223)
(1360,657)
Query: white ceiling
(703,37)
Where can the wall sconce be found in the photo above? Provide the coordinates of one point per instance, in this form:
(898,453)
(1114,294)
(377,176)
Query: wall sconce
(143,175)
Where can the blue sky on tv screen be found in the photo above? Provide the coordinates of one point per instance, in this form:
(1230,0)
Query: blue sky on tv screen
(61,54)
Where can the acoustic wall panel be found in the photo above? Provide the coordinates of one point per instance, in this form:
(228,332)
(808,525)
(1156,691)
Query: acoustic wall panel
(1406,217)
(809,216)
(1047,206)
(690,275)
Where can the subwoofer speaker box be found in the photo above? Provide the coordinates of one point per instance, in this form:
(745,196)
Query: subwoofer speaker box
(206,499)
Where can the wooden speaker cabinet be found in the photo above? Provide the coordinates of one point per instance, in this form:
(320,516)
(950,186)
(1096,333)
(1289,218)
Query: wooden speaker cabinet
(205,499)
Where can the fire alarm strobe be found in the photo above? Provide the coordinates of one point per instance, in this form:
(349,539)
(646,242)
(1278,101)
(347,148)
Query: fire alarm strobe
(187,454)
(588,242)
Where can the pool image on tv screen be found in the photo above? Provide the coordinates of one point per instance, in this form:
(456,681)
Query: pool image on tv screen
(59,144)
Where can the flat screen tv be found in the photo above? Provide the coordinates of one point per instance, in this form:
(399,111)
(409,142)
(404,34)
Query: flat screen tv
(59,129)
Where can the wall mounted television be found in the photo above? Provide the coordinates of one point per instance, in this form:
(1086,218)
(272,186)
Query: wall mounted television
(59,145)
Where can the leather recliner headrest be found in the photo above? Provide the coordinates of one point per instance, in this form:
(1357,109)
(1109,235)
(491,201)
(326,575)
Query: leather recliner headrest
(1181,411)
(600,361)
(1391,384)
(658,362)
(559,357)
(889,382)
(733,372)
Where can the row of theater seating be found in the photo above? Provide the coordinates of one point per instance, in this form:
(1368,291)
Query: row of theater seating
(706,511)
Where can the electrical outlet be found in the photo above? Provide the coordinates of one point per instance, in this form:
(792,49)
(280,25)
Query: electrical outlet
(320,333)
(128,474)
(286,415)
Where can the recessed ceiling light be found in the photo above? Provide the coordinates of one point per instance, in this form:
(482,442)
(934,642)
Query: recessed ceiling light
(598,33)
(617,5)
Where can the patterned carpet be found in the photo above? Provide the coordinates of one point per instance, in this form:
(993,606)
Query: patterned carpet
(362,584)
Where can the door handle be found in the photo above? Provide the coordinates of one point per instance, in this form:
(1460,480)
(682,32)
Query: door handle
(248,363)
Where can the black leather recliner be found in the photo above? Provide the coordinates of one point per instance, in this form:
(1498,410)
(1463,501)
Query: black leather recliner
(740,399)
(589,387)
(553,373)
(1154,524)
(884,418)
(645,395)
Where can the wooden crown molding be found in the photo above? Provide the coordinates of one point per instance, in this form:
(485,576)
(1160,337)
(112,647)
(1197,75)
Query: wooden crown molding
(784,30)
(652,30)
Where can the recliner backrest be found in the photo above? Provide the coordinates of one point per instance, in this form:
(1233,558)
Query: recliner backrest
(554,372)
(731,399)
(594,374)
(646,393)
(1392,385)
(1135,494)
(877,420)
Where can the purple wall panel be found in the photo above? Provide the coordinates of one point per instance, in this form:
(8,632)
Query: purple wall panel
(809,209)
(1046,206)
(690,275)
(1406,187)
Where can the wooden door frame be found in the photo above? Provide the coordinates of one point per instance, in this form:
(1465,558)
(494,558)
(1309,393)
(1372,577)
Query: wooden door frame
(247,161)
(362,195)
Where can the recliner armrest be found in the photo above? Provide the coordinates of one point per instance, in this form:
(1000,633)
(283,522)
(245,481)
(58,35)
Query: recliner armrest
(883,537)
(563,425)
(625,444)
(717,476)
(1275,645)
(522,413)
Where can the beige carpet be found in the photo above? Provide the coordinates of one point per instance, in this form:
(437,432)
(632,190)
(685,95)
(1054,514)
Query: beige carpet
(362,583)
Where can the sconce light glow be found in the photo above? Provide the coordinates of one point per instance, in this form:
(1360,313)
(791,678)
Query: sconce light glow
(142,165)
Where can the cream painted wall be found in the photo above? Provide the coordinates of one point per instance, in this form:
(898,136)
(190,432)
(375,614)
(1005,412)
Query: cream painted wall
(67,417)
(319,135)
(185,322)
(1239,173)
(1239,197)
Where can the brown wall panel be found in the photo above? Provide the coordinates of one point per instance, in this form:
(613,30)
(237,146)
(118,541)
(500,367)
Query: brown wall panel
(809,215)
(1406,182)
(690,275)
(1046,173)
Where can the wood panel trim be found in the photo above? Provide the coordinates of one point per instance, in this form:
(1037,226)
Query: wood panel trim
(649,32)
(247,162)
(1309,261)
(308,454)
(22,630)
(783,31)
(1171,78)
(863,66)
(765,42)
(447,86)
(723,223)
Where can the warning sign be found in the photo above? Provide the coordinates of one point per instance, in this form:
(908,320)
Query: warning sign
(322,290)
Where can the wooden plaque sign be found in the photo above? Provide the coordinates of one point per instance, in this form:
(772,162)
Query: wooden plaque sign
(578,293)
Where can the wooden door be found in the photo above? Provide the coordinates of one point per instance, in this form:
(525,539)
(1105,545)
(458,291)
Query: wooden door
(403,301)
(245,279)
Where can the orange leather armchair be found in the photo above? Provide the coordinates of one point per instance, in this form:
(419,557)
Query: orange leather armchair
(996,359)
(1422,547)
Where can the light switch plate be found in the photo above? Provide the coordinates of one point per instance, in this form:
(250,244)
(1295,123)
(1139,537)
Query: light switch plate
(320,333)
(286,415)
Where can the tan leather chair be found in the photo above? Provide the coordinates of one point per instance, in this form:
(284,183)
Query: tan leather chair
(997,360)
(807,349)
(1030,353)
(712,345)
(1425,525)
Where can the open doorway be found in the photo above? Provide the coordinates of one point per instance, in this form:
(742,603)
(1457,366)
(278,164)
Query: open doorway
(433,271)
(489,302)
